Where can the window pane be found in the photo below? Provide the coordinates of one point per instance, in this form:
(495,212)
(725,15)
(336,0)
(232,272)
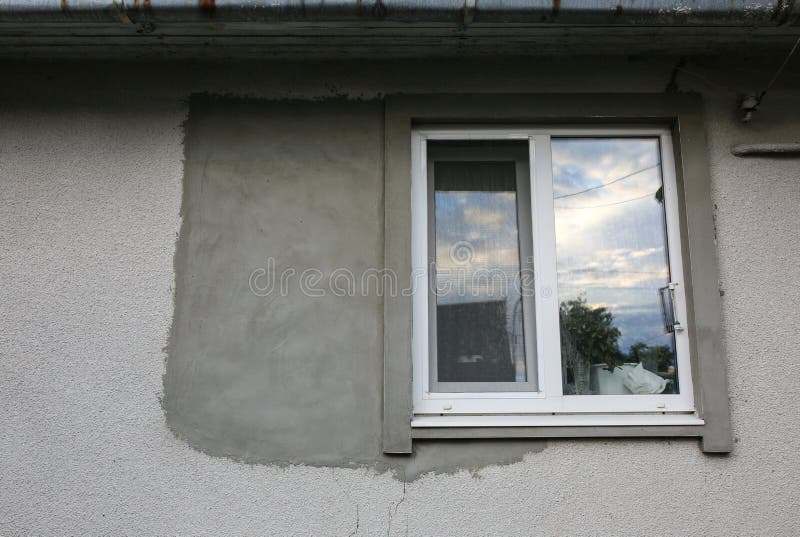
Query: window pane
(479,310)
(613,267)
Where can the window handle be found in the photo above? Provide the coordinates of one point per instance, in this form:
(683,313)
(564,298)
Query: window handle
(676,324)
(671,322)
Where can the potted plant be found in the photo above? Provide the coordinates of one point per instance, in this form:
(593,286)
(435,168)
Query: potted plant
(588,338)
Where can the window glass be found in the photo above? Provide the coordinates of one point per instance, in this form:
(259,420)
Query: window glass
(479,331)
(617,333)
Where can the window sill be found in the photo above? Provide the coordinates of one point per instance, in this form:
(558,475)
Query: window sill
(558,420)
(559,426)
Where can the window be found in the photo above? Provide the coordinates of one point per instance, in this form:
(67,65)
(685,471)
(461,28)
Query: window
(560,211)
(553,280)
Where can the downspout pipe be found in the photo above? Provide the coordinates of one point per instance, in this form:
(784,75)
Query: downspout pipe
(700,13)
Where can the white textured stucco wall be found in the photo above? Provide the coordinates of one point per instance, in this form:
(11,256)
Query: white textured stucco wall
(90,191)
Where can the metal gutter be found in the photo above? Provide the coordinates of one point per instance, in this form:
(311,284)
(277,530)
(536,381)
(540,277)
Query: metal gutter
(691,13)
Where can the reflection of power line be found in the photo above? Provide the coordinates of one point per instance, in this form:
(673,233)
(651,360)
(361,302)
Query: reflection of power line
(600,286)
(606,204)
(610,271)
(656,165)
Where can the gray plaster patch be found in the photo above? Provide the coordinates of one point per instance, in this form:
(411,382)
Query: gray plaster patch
(285,377)
(452,456)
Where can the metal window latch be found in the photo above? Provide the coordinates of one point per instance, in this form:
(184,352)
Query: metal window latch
(676,324)
(671,322)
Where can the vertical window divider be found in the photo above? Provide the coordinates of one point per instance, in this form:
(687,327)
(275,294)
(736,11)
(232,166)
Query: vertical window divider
(544,259)
(527,287)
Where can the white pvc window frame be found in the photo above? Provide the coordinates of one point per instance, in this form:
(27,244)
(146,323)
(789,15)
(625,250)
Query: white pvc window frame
(549,405)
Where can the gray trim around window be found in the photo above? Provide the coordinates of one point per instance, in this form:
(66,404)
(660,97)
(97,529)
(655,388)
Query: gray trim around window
(684,114)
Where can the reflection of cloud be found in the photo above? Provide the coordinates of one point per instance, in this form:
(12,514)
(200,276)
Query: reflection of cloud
(485,257)
(608,306)
(598,161)
(618,281)
(487,222)
(475,215)
(619,267)
(610,249)
(581,164)
(479,216)
(647,251)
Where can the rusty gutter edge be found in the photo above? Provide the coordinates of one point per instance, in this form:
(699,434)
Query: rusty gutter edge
(735,13)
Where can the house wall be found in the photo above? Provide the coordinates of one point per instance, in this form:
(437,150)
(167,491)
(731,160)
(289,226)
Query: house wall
(92,167)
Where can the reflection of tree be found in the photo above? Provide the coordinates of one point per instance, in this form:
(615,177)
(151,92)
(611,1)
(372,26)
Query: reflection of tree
(656,358)
(637,350)
(588,336)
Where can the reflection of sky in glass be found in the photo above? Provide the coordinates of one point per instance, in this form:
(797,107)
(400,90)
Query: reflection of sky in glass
(476,234)
(477,255)
(610,232)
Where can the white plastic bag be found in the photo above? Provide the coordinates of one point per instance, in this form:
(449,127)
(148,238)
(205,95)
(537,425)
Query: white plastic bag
(641,381)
